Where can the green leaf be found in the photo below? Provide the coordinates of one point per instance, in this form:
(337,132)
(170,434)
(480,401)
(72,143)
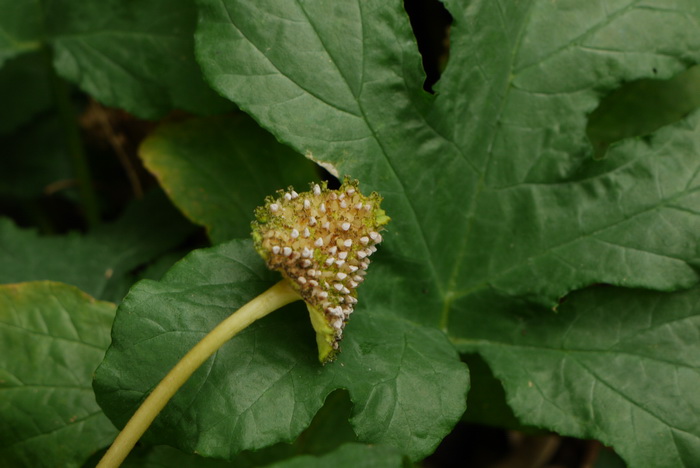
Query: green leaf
(250,395)
(52,337)
(217,170)
(328,431)
(134,55)
(349,456)
(617,365)
(496,200)
(520,206)
(163,456)
(98,262)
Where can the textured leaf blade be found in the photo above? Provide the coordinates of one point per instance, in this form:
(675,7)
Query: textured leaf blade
(616,365)
(134,55)
(329,430)
(337,103)
(137,56)
(52,337)
(497,162)
(265,385)
(217,170)
(494,194)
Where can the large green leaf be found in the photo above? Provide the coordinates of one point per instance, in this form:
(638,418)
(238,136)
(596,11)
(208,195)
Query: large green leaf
(99,262)
(217,170)
(495,196)
(52,337)
(490,182)
(266,384)
(134,55)
(622,366)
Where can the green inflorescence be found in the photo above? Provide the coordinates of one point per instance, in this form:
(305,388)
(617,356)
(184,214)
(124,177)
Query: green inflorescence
(321,241)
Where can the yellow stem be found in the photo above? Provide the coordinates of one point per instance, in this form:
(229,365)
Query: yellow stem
(277,296)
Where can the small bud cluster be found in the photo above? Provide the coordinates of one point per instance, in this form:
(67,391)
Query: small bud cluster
(322,240)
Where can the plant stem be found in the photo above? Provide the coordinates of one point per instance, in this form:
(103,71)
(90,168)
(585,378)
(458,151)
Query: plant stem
(277,296)
(81,170)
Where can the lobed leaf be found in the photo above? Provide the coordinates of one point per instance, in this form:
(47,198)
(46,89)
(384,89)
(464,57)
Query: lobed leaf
(266,384)
(52,337)
(496,200)
(504,170)
(617,365)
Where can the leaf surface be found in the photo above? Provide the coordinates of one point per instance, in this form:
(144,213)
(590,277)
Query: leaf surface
(217,170)
(134,55)
(265,385)
(328,431)
(528,211)
(348,455)
(497,203)
(52,337)
(614,364)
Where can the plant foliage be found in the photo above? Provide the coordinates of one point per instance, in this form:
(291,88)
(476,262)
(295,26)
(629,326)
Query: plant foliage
(553,236)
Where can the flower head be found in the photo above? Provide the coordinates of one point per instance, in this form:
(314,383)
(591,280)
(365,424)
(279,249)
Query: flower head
(321,241)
